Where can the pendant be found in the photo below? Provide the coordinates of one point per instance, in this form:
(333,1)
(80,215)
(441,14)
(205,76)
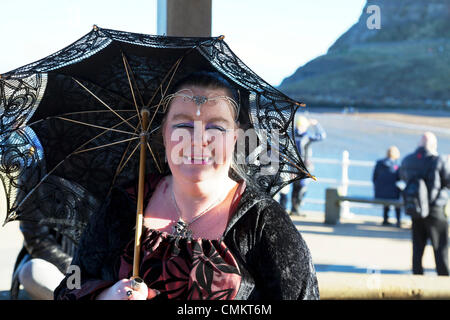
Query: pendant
(199,101)
(181,229)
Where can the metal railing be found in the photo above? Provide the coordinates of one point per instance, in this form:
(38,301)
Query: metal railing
(345,162)
(337,201)
(344,182)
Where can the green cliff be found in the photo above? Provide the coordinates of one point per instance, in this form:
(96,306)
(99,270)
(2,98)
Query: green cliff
(404,64)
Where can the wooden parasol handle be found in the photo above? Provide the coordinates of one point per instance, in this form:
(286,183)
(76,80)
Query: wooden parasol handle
(140,200)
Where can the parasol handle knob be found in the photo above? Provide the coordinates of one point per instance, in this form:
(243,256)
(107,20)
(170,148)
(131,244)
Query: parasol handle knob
(145,110)
(136,283)
(145,114)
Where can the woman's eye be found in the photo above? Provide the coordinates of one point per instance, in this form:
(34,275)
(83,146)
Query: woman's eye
(184,125)
(221,129)
(191,126)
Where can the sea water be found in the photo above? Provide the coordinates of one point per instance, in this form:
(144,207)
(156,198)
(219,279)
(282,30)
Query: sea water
(365,139)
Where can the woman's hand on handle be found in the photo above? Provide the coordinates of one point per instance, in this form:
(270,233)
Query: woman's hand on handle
(122,290)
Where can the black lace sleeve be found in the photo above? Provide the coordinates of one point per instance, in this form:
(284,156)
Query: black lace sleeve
(282,260)
(41,242)
(100,248)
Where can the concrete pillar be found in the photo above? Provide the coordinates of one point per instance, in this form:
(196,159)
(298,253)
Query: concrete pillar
(332,206)
(184,18)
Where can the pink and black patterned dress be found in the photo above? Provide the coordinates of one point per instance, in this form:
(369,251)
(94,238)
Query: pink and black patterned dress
(261,254)
(183,268)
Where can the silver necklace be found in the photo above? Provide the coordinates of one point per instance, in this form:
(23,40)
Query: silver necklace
(181,228)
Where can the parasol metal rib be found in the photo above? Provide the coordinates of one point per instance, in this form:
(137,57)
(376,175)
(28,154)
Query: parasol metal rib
(123,157)
(174,66)
(96,126)
(105,145)
(296,166)
(112,110)
(100,134)
(154,158)
(126,161)
(134,79)
(292,163)
(93,111)
(177,64)
(76,113)
(68,156)
(126,65)
(126,101)
(119,166)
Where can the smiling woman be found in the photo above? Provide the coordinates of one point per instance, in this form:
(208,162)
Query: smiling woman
(204,118)
(202,133)
(208,233)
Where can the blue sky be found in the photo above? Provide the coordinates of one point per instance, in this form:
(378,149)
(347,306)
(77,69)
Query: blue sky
(273,38)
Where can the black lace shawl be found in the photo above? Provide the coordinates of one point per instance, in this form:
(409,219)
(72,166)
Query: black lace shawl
(274,260)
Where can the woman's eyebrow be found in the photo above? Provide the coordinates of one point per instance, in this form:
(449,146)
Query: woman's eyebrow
(182,116)
(218,119)
(185,116)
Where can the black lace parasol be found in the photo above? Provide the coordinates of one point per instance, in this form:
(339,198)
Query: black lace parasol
(70,124)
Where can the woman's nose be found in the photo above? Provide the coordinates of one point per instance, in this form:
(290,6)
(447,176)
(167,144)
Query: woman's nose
(201,137)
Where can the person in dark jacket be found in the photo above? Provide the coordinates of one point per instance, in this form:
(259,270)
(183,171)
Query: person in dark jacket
(426,163)
(385,176)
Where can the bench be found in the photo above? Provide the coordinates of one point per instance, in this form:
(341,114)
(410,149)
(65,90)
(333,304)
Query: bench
(333,199)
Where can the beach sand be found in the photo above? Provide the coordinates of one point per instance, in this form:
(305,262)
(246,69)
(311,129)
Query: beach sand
(438,120)
(426,118)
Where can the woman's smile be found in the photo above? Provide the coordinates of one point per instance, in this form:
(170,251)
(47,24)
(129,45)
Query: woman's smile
(197,160)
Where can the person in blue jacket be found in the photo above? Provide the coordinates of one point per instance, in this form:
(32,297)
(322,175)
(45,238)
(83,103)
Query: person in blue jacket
(303,138)
(385,177)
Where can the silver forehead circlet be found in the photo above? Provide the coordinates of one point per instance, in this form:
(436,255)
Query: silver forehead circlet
(199,100)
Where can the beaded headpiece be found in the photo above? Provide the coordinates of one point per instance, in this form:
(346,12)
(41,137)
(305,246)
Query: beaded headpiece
(188,95)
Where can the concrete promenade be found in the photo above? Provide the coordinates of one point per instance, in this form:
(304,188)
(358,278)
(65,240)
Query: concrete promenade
(358,245)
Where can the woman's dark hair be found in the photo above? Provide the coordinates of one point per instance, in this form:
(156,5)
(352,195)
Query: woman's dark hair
(207,79)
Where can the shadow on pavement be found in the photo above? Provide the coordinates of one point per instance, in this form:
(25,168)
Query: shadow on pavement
(366,229)
(354,269)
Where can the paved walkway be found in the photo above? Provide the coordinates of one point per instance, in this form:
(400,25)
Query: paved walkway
(356,245)
(360,244)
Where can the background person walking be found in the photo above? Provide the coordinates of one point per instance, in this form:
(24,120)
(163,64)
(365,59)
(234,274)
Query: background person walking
(303,139)
(425,163)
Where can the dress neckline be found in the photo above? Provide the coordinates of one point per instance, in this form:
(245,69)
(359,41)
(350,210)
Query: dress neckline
(234,205)
(172,236)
